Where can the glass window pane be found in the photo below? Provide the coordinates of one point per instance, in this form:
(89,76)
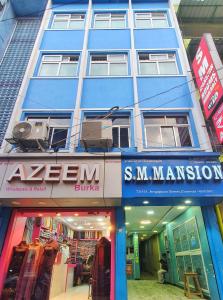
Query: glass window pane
(143,23)
(48,70)
(153,137)
(181,120)
(154,120)
(124,137)
(101,24)
(116,57)
(99,69)
(168,137)
(168,67)
(158,56)
(117,24)
(68,70)
(60,16)
(120,120)
(171,120)
(118,69)
(77,24)
(59,138)
(183,137)
(159,23)
(115,137)
(59,24)
(51,58)
(147,68)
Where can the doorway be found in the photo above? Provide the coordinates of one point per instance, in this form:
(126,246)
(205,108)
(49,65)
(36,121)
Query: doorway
(162,243)
(54,255)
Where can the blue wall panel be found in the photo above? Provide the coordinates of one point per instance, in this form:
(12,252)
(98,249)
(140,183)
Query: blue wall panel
(107,92)
(110,5)
(109,39)
(155,38)
(165,92)
(51,93)
(69,7)
(72,40)
(149,4)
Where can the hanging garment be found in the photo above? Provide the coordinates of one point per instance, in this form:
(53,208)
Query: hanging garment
(29,271)
(15,266)
(42,288)
(101,271)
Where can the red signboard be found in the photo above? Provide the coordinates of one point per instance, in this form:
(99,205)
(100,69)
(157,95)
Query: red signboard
(218,123)
(207,79)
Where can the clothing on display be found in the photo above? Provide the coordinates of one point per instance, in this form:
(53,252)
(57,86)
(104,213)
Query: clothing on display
(101,270)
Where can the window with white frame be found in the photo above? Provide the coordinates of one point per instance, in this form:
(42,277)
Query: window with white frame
(151,20)
(120,130)
(110,20)
(167,131)
(58,130)
(68,21)
(109,65)
(157,64)
(59,65)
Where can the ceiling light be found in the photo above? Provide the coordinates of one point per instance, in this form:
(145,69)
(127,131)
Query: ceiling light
(142,238)
(15,202)
(76,214)
(102,223)
(40,215)
(79,227)
(58,214)
(145,222)
(150,212)
(144,234)
(100,220)
(41,203)
(75,224)
(155,231)
(95,202)
(128,208)
(91,227)
(142,227)
(145,202)
(164,222)
(126,223)
(88,224)
(70,219)
(181,207)
(188,202)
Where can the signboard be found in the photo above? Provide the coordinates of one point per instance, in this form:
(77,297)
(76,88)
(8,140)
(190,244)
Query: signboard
(171,178)
(66,178)
(207,78)
(218,123)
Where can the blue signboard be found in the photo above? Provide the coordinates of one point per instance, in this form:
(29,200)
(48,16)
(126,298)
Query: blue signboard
(171,177)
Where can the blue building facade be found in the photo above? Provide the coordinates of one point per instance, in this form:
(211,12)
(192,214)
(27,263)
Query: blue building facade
(125,61)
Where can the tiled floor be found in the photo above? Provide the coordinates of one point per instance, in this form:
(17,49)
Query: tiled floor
(152,290)
(77,293)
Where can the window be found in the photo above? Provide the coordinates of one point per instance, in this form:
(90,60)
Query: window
(58,130)
(112,20)
(109,65)
(167,131)
(151,20)
(59,65)
(157,64)
(120,131)
(68,21)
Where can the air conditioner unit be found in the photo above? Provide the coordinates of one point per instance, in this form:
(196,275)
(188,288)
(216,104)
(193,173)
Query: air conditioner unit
(96,134)
(30,135)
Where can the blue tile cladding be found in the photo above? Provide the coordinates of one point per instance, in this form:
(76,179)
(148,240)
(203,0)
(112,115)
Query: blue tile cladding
(54,93)
(13,67)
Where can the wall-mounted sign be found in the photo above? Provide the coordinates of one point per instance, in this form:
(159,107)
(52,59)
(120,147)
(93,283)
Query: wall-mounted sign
(218,123)
(206,67)
(171,178)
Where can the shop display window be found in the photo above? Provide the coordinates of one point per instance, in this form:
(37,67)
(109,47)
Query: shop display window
(56,254)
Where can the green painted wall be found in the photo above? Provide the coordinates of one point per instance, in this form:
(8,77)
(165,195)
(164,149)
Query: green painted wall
(172,263)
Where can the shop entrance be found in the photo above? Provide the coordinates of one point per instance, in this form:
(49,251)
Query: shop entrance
(163,243)
(58,255)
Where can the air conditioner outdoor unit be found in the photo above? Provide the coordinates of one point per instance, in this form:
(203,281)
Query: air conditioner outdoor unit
(30,135)
(96,134)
